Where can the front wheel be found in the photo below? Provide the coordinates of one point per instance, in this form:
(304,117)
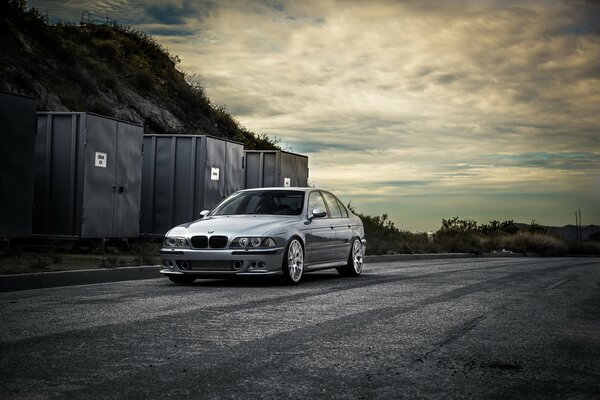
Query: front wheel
(293,262)
(181,279)
(354,266)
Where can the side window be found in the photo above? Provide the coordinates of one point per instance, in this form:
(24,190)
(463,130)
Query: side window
(342,209)
(332,204)
(315,201)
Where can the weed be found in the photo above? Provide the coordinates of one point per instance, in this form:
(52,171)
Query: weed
(112,260)
(39,263)
(57,258)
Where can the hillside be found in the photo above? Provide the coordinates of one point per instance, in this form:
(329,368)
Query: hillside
(107,69)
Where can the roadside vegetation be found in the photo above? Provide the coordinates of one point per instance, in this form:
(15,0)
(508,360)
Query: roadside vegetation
(25,257)
(457,235)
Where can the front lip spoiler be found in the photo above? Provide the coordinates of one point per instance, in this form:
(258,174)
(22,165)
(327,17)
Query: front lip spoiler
(174,252)
(219,274)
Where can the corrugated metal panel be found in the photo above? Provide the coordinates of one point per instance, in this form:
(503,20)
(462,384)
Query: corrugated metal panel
(58,144)
(88,176)
(183,175)
(234,169)
(275,168)
(128,180)
(253,170)
(214,187)
(18,125)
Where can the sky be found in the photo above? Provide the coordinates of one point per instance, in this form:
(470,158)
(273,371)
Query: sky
(422,110)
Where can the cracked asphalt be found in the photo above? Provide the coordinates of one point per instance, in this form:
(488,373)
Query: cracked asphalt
(459,328)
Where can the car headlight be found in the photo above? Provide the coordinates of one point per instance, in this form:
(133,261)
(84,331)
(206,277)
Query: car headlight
(174,241)
(255,242)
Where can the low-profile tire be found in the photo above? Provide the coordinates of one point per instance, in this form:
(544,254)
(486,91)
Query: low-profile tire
(181,280)
(354,266)
(293,262)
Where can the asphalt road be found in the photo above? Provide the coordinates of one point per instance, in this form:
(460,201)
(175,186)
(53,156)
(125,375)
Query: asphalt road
(467,328)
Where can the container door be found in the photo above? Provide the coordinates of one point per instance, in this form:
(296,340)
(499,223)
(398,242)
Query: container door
(214,186)
(184,168)
(301,172)
(128,180)
(271,171)
(288,170)
(234,173)
(16,164)
(253,170)
(99,177)
(147,197)
(57,174)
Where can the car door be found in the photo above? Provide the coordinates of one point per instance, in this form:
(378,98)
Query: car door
(320,238)
(341,225)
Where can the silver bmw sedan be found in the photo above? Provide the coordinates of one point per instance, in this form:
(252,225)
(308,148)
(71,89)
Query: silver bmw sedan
(266,231)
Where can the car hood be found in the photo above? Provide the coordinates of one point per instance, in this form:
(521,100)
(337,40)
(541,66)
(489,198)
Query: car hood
(229,225)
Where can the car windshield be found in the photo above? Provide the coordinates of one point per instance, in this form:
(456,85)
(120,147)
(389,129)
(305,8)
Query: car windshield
(272,202)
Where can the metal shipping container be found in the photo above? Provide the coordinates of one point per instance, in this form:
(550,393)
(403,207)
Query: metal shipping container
(88,176)
(17,133)
(183,175)
(265,168)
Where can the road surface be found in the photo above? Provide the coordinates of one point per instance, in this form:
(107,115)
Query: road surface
(494,328)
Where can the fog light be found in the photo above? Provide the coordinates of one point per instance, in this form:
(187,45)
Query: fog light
(237,265)
(260,265)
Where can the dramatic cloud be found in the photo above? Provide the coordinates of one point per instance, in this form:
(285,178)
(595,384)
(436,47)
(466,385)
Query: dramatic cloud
(421,109)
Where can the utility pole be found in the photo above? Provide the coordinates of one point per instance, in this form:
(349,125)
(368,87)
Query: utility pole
(580,230)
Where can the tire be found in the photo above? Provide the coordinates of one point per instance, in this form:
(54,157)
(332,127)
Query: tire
(181,280)
(354,266)
(293,262)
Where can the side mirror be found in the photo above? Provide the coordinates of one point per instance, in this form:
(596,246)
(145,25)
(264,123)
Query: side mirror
(204,213)
(318,213)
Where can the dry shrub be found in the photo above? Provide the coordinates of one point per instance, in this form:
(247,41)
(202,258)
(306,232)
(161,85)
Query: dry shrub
(526,242)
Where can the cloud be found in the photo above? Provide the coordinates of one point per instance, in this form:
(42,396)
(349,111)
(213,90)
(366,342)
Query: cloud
(469,98)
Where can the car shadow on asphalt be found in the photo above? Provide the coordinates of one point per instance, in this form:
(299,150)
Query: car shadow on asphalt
(261,281)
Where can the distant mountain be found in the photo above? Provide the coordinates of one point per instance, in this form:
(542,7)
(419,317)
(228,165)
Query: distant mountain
(107,69)
(568,232)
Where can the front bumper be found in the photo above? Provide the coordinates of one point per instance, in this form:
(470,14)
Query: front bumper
(222,262)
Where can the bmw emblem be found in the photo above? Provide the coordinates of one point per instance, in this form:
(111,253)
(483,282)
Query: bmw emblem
(211,231)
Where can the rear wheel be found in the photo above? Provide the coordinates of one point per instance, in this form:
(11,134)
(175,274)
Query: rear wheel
(354,266)
(181,279)
(293,262)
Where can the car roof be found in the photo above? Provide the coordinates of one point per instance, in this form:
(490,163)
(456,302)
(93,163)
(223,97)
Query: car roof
(302,189)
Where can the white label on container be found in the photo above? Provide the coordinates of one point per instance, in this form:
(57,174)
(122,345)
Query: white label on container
(287,182)
(214,174)
(100,160)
